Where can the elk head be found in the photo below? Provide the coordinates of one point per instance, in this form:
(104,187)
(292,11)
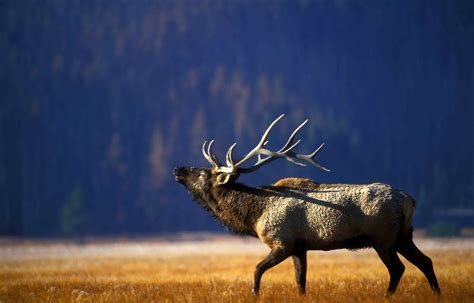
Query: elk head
(200,180)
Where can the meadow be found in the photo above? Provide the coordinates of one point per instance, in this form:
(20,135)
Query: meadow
(216,269)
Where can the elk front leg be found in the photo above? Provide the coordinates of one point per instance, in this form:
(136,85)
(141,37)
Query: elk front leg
(299,261)
(276,256)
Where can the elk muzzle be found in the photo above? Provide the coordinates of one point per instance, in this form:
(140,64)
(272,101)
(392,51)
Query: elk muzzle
(180,174)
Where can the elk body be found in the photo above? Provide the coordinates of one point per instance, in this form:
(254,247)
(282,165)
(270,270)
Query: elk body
(295,215)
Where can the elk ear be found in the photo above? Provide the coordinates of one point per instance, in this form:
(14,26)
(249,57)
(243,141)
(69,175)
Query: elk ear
(225,178)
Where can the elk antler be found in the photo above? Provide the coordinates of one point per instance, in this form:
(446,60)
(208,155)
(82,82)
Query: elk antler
(259,150)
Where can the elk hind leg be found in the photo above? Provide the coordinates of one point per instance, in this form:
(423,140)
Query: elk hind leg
(395,268)
(408,249)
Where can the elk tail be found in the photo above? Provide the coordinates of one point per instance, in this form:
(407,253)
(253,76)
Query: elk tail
(408,206)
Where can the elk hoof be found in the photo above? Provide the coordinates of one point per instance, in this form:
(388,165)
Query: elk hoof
(254,292)
(388,294)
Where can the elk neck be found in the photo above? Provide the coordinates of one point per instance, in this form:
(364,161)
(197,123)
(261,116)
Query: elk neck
(239,207)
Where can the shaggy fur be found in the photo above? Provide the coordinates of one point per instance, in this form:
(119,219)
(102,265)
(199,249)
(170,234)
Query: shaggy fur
(295,215)
(327,216)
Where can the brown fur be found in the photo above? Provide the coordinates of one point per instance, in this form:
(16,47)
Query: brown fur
(308,184)
(297,183)
(294,215)
(239,207)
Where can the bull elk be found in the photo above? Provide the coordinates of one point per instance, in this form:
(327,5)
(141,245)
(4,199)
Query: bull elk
(295,215)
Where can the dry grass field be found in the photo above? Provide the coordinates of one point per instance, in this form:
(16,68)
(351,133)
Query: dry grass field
(216,269)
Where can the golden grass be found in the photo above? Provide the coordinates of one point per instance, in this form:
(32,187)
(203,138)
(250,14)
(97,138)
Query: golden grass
(340,276)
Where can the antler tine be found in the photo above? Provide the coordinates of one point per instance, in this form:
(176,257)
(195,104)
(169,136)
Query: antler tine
(273,156)
(211,155)
(285,149)
(292,137)
(289,149)
(228,158)
(310,158)
(260,144)
(311,155)
(206,155)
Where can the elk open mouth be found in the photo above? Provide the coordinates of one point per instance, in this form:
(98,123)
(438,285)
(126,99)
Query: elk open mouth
(178,175)
(179,179)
